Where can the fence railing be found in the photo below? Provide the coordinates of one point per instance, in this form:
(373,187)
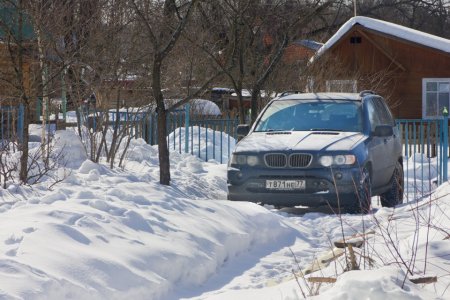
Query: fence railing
(11,123)
(207,137)
(425,152)
(425,142)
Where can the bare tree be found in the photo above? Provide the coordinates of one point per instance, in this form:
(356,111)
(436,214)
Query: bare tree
(431,16)
(162,24)
(16,78)
(253,36)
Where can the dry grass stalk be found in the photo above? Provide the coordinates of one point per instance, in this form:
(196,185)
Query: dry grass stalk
(321,279)
(424,280)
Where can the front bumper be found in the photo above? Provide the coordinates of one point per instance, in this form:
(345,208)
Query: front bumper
(324,186)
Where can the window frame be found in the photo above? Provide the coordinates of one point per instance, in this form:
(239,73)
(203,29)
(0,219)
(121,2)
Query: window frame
(351,82)
(424,96)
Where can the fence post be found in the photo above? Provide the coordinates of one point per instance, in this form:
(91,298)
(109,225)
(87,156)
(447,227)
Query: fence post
(20,121)
(445,146)
(38,109)
(187,108)
(63,96)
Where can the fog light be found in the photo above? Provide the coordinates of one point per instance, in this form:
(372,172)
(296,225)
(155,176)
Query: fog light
(239,175)
(338,175)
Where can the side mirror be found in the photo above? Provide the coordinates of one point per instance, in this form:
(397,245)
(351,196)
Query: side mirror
(383,131)
(243,130)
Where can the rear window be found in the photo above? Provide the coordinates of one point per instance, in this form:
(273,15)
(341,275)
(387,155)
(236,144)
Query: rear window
(310,115)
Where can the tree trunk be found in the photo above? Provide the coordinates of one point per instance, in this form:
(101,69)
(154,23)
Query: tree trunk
(164,161)
(254,104)
(23,174)
(241,109)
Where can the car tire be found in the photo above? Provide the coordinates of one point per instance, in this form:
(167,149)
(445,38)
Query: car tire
(394,195)
(364,193)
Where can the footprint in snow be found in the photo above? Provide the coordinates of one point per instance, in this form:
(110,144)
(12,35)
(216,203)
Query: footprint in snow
(29,230)
(13,240)
(11,252)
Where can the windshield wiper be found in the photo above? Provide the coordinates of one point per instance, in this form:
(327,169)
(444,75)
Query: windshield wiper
(325,129)
(278,130)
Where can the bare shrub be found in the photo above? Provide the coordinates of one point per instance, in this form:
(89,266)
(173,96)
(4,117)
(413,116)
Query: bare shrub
(9,165)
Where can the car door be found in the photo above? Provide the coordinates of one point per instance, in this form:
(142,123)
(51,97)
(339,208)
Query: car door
(378,147)
(391,142)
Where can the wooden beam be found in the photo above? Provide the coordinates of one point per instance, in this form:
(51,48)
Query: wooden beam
(381,49)
(321,279)
(424,280)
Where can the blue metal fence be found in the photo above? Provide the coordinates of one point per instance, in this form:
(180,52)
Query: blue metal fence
(206,137)
(11,123)
(425,152)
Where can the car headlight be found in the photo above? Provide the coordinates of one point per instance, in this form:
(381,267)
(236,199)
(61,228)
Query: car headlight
(241,159)
(326,161)
(252,160)
(338,160)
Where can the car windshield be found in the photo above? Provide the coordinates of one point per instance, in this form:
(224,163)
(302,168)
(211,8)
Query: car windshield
(311,115)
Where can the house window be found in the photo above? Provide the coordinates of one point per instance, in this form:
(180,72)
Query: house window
(310,84)
(436,95)
(343,86)
(355,40)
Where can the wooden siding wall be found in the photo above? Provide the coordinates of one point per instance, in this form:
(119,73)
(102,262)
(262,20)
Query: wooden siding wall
(9,93)
(405,86)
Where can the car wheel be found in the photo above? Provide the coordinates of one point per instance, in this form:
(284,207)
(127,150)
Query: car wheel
(394,195)
(364,195)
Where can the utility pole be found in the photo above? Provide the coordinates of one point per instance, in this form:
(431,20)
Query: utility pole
(354,8)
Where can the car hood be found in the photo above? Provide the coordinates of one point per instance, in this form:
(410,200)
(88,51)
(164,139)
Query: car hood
(299,140)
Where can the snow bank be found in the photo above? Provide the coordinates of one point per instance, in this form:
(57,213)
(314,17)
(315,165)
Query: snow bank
(421,175)
(74,151)
(115,234)
(204,143)
(373,284)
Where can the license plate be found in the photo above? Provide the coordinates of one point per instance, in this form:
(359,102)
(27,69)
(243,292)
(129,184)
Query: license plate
(285,185)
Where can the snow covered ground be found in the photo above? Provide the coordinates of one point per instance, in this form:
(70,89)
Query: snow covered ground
(117,234)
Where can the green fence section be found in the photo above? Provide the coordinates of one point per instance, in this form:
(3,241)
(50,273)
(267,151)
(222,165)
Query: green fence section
(11,123)
(207,137)
(425,152)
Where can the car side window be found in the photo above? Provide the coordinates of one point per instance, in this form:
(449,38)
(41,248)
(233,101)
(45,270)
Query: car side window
(374,117)
(383,112)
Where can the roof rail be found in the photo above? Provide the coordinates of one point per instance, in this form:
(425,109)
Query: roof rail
(285,93)
(365,92)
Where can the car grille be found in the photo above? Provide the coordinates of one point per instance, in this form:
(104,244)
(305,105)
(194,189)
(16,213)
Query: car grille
(275,160)
(300,160)
(280,160)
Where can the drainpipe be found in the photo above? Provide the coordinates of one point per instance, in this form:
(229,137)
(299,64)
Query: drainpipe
(445,141)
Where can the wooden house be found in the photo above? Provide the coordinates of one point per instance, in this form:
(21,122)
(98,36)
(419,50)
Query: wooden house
(410,68)
(12,85)
(299,51)
(10,91)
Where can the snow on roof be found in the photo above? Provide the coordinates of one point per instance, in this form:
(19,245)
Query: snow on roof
(313,45)
(321,96)
(198,106)
(388,28)
(205,107)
